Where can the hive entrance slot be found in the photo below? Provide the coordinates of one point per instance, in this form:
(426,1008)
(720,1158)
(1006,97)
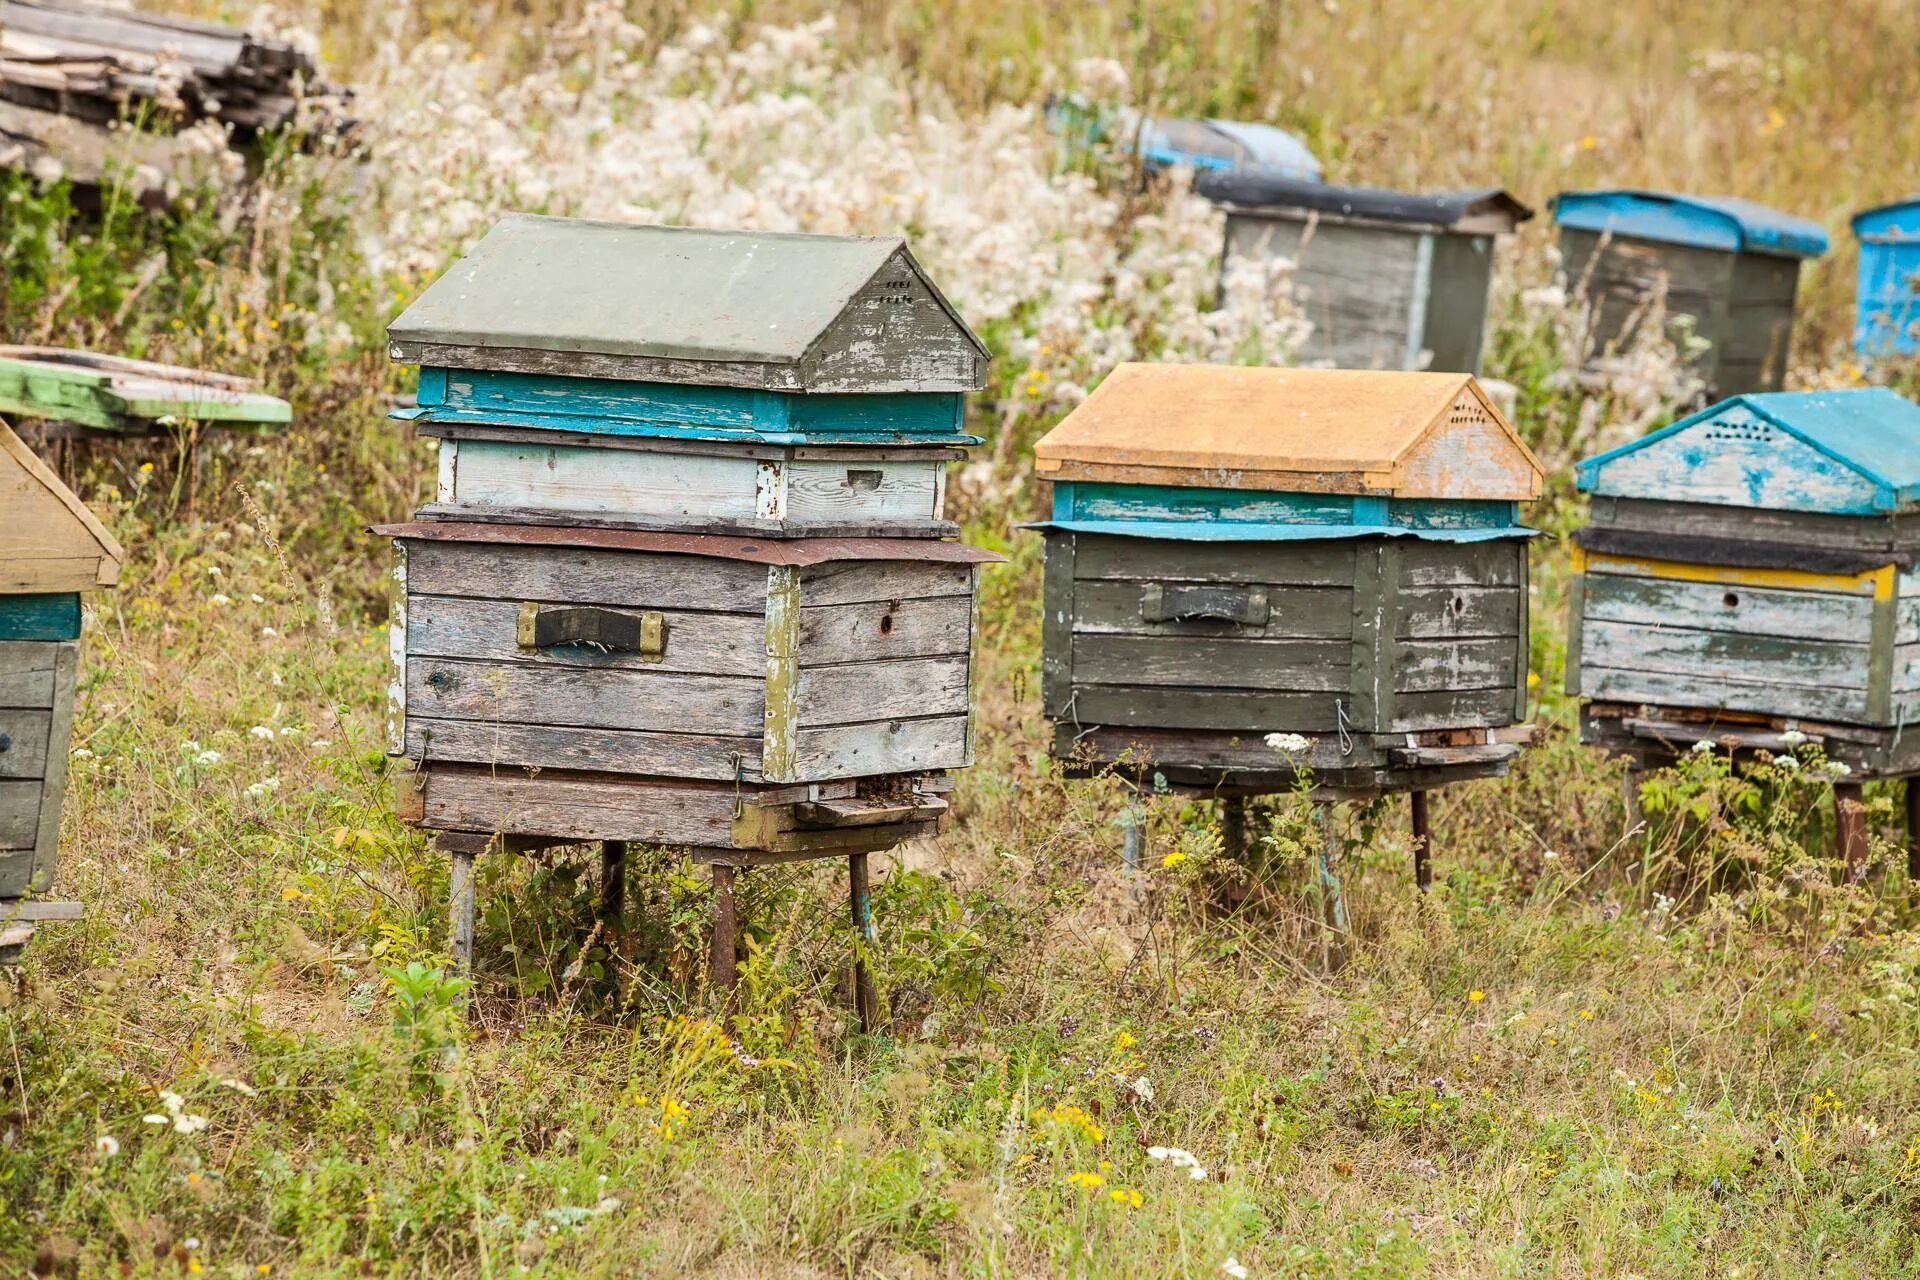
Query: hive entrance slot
(1731,600)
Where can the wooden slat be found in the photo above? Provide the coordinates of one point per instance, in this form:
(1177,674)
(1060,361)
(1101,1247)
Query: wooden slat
(892,746)
(572,575)
(1468,564)
(578,809)
(1459,613)
(1764,611)
(54,782)
(23,743)
(723,644)
(674,755)
(858,692)
(1294,613)
(867,581)
(1711,655)
(1425,666)
(885,629)
(1060,610)
(1453,709)
(1726,693)
(597,698)
(27,670)
(19,826)
(1235,710)
(1276,564)
(1205,662)
(827,492)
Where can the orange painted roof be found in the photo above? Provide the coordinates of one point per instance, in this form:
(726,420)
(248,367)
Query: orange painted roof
(1327,430)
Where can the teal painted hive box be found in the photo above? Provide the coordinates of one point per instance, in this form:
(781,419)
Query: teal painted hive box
(1251,573)
(1750,572)
(1730,265)
(1888,301)
(51,550)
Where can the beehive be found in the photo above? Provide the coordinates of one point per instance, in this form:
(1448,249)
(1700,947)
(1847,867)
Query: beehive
(1390,279)
(1730,265)
(51,550)
(1751,569)
(685,578)
(1239,552)
(1888,301)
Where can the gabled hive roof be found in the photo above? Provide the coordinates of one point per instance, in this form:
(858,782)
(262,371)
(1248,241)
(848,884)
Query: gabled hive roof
(49,541)
(775,310)
(1410,435)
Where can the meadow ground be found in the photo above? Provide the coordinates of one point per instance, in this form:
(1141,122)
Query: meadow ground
(1681,1049)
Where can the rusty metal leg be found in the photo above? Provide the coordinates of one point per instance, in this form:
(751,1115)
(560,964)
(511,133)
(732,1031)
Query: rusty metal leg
(1422,843)
(1912,788)
(462,913)
(1850,829)
(865,1003)
(1333,905)
(613,888)
(726,968)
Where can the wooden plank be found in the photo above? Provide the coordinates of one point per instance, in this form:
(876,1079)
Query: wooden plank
(491,475)
(1456,319)
(23,743)
(1453,709)
(1680,520)
(574,575)
(721,644)
(858,692)
(1376,582)
(1683,650)
(661,754)
(831,492)
(596,698)
(869,581)
(19,827)
(883,747)
(1880,657)
(1111,607)
(54,781)
(1324,564)
(1523,635)
(1725,692)
(1060,614)
(40,616)
(1424,666)
(1457,564)
(579,808)
(1654,602)
(1576,628)
(27,669)
(1355,283)
(1210,662)
(781,719)
(885,629)
(1236,710)
(1867,583)
(18,909)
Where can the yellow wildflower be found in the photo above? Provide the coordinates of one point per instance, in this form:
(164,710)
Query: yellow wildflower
(1126,1196)
(1173,860)
(1087,1181)
(1475,996)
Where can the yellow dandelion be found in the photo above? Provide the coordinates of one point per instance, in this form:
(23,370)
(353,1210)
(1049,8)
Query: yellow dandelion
(1126,1196)
(1173,860)
(1086,1181)
(1589,142)
(1475,996)
(1124,1040)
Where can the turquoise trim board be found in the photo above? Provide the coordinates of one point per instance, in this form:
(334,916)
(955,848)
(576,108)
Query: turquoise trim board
(1887,315)
(40,617)
(1861,454)
(1235,515)
(609,406)
(1704,222)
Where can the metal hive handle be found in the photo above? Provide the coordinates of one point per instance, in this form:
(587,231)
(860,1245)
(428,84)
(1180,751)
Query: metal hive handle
(609,630)
(1244,605)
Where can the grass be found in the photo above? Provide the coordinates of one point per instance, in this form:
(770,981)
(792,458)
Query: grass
(1678,1050)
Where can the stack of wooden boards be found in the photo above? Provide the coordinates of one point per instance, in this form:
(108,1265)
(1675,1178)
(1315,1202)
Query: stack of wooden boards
(1330,555)
(84,392)
(70,72)
(687,579)
(51,550)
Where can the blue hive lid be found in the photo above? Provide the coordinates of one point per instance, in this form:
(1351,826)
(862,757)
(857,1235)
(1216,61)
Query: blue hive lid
(1846,452)
(1895,223)
(1706,222)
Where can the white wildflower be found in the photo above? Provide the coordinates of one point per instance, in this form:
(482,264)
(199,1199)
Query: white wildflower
(106,1146)
(80,753)
(220,597)
(1142,1088)
(1793,737)
(263,788)
(1786,762)
(152,1118)
(1704,746)
(262,732)
(1838,769)
(256,597)
(268,633)
(1180,1160)
(1235,1268)
(320,744)
(239,1086)
(207,759)
(1289,743)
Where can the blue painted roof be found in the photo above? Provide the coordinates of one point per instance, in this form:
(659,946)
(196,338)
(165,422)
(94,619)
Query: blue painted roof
(1896,223)
(1705,222)
(1868,429)
(1219,531)
(1164,141)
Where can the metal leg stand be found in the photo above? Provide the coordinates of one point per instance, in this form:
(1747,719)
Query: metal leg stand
(1133,836)
(1233,827)
(726,968)
(1422,843)
(462,895)
(613,888)
(864,1001)
(1850,829)
(1333,905)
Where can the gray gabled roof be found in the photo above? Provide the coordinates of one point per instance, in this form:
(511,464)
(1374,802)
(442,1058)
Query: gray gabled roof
(608,299)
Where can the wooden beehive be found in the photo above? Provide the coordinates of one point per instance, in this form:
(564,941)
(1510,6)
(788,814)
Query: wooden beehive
(1888,301)
(684,580)
(51,550)
(1729,265)
(1751,570)
(1389,279)
(1238,552)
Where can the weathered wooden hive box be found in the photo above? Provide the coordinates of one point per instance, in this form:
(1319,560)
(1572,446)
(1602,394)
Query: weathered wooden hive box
(1238,552)
(684,581)
(51,550)
(1390,279)
(1751,567)
(1730,265)
(1888,301)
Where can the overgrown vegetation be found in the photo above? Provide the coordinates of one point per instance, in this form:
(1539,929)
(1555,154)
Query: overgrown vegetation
(1680,1048)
